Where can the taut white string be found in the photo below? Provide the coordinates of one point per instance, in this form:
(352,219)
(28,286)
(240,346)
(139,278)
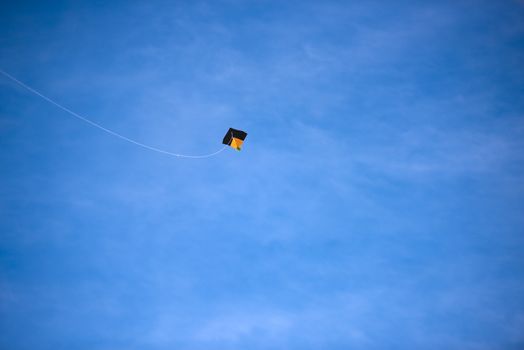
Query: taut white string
(111,132)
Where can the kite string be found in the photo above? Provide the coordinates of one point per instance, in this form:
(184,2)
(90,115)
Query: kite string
(111,132)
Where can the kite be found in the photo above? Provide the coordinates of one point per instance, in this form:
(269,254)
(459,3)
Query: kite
(234,138)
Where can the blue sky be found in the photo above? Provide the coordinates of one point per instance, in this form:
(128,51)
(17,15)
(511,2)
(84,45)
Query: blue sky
(378,202)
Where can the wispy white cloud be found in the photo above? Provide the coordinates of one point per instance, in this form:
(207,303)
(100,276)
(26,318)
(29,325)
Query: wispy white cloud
(235,327)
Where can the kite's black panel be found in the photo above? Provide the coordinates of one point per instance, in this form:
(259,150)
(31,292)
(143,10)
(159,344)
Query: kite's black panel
(239,134)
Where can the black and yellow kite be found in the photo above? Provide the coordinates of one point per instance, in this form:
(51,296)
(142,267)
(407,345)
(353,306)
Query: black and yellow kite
(234,138)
